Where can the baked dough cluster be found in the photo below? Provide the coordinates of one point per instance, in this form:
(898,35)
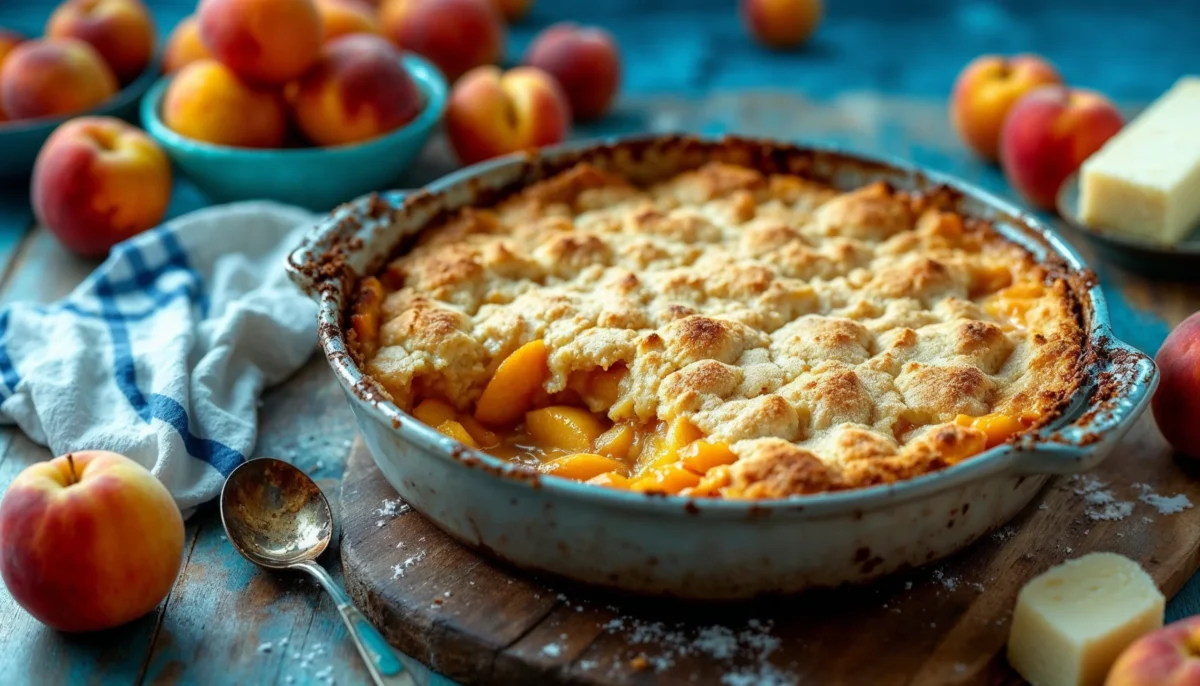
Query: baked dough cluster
(814,339)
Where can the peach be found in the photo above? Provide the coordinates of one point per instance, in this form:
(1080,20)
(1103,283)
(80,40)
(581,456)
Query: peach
(43,78)
(986,90)
(8,41)
(358,90)
(267,42)
(206,101)
(1169,656)
(584,61)
(98,181)
(1048,134)
(456,35)
(781,23)
(1176,403)
(89,541)
(344,17)
(184,46)
(512,10)
(120,30)
(493,113)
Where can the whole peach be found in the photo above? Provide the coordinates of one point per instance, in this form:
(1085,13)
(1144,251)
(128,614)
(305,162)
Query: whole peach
(122,31)
(512,10)
(89,541)
(986,90)
(358,90)
(208,102)
(781,23)
(584,61)
(1048,134)
(98,181)
(1169,656)
(1176,403)
(492,113)
(184,46)
(344,17)
(267,42)
(43,78)
(456,35)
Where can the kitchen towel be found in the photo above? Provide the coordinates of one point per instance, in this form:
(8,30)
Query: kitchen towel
(162,352)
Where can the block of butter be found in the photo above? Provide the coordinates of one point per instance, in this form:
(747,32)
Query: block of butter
(1145,181)
(1073,621)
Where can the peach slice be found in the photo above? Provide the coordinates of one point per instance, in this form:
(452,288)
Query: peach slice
(610,480)
(617,441)
(669,479)
(662,448)
(711,483)
(509,395)
(485,437)
(434,412)
(456,431)
(998,427)
(581,466)
(702,456)
(563,427)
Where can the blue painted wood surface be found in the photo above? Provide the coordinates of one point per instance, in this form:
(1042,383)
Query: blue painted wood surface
(684,59)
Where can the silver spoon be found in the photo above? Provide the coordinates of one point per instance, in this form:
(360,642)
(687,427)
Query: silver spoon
(276,517)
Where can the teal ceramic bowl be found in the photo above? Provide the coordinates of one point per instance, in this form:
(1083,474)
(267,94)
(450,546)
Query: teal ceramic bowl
(21,140)
(316,178)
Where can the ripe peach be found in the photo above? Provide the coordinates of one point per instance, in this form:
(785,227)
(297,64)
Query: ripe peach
(122,31)
(358,90)
(98,181)
(512,10)
(343,17)
(89,541)
(267,42)
(1176,403)
(986,90)
(584,61)
(1048,134)
(8,41)
(206,101)
(1169,656)
(43,78)
(492,113)
(184,46)
(781,23)
(456,35)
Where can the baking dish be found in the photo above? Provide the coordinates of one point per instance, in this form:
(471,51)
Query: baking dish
(708,548)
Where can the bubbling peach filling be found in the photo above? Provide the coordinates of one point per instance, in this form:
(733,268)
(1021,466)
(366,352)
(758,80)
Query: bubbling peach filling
(516,420)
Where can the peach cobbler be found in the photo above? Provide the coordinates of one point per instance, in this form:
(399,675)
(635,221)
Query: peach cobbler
(723,332)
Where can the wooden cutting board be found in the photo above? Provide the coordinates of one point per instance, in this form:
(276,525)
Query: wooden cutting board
(477,621)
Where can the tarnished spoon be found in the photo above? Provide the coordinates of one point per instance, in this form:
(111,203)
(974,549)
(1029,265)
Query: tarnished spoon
(276,517)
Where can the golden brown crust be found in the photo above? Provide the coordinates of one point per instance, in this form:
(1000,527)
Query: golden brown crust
(831,339)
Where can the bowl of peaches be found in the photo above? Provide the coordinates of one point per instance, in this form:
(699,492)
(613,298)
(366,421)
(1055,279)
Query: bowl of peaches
(94,57)
(264,100)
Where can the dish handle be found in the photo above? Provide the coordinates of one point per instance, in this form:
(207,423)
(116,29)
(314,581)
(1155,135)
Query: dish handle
(1119,392)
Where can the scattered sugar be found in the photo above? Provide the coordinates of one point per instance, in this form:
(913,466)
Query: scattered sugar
(1102,505)
(1043,506)
(1004,533)
(752,645)
(399,570)
(587,665)
(1166,505)
(908,585)
(763,675)
(446,594)
(264,647)
(552,650)
(949,582)
(390,509)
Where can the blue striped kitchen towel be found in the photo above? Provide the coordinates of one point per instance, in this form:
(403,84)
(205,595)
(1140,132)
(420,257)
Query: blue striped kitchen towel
(162,352)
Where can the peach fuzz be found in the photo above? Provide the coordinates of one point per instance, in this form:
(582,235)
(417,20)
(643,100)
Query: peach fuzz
(512,10)
(184,46)
(1176,403)
(267,42)
(89,542)
(1048,134)
(584,61)
(493,113)
(44,78)
(358,90)
(781,23)
(344,17)
(456,35)
(1169,656)
(120,30)
(98,181)
(207,102)
(985,92)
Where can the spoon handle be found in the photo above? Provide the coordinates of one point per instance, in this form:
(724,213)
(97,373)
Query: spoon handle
(383,664)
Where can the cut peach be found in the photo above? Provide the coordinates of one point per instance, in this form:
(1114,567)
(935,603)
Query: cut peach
(434,412)
(669,479)
(1014,302)
(702,456)
(616,442)
(485,437)
(662,448)
(368,309)
(610,480)
(711,483)
(567,428)
(581,466)
(998,427)
(509,394)
(456,431)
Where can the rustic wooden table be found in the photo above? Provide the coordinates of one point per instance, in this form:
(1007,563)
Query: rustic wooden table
(227,622)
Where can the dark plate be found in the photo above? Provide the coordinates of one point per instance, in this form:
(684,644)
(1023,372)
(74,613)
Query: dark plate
(1179,262)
